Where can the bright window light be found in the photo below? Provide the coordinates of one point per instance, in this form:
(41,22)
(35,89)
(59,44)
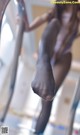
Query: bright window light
(15,2)
(6,34)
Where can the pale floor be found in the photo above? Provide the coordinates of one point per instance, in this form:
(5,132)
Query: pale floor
(24,127)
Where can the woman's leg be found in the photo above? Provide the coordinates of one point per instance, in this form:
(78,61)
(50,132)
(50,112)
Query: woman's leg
(60,71)
(43,83)
(43,117)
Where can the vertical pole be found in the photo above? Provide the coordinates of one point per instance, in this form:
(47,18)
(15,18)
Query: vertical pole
(74,107)
(17,51)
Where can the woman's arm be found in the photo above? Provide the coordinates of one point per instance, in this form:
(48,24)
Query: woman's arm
(39,20)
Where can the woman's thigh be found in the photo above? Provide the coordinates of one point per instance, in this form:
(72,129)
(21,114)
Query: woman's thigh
(61,68)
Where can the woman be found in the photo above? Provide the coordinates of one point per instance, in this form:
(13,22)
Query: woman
(54,50)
